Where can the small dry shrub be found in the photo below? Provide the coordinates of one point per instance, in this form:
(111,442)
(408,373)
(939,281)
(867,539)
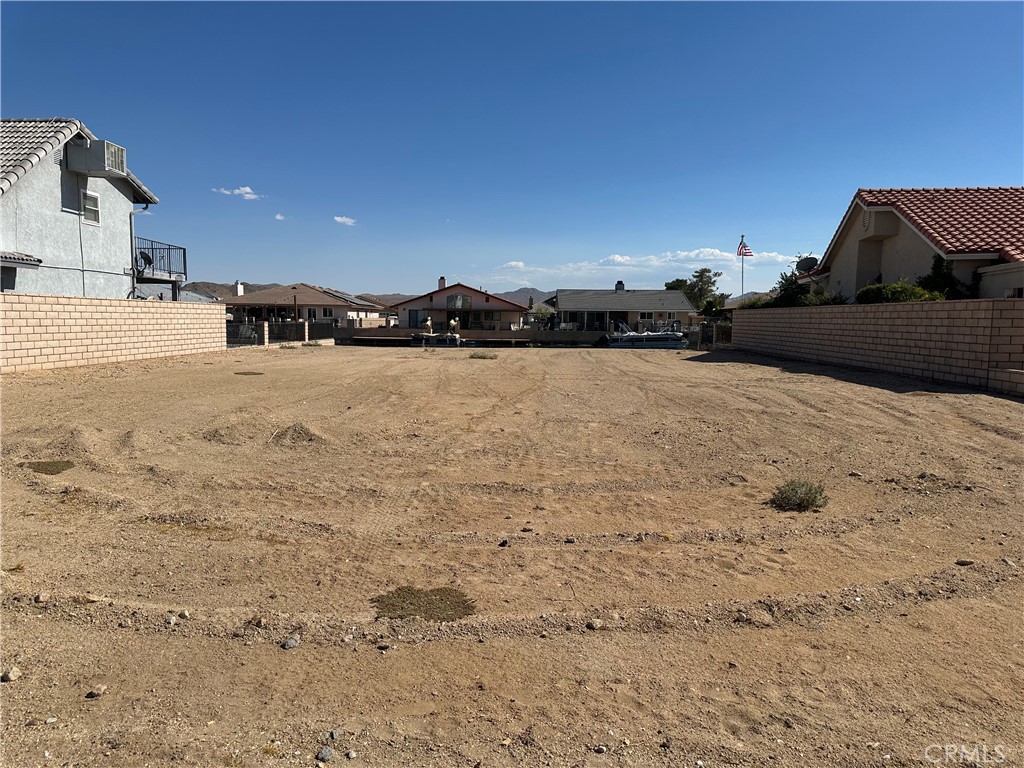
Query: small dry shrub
(799,496)
(482,356)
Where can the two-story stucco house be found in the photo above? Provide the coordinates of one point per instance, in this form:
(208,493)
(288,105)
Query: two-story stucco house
(67,210)
(891,234)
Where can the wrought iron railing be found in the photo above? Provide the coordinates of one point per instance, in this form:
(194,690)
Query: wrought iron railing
(159,260)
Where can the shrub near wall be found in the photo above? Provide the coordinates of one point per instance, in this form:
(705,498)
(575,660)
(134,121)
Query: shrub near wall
(974,342)
(38,332)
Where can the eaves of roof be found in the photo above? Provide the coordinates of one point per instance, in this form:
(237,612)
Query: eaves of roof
(59,131)
(953,220)
(583,300)
(460,285)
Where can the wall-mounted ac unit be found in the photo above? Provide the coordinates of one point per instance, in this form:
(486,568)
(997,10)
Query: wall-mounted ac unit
(97,158)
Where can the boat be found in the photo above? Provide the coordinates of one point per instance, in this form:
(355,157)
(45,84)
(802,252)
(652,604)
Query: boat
(436,340)
(626,338)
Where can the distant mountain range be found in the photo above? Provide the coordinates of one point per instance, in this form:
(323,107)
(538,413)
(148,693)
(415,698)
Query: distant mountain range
(227,290)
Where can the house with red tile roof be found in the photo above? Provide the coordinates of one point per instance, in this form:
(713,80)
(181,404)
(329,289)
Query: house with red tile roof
(892,234)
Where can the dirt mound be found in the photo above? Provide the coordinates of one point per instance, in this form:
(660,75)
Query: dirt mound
(296,435)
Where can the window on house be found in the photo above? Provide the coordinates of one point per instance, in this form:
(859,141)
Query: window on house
(311,313)
(646,316)
(492,316)
(327,312)
(8,278)
(671,315)
(90,208)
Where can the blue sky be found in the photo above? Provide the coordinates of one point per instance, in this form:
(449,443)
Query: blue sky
(374,147)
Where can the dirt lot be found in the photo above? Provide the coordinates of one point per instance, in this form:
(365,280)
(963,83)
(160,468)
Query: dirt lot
(646,608)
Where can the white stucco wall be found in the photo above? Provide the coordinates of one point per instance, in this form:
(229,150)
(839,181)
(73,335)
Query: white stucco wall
(40,216)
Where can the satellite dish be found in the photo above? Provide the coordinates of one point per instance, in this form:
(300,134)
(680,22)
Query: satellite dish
(807,264)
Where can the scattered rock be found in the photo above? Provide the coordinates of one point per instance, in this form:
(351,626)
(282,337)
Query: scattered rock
(10,675)
(383,647)
(172,620)
(856,474)
(595,624)
(334,735)
(325,755)
(184,615)
(96,692)
(503,543)
(351,754)
(91,598)
(51,720)
(42,598)
(600,749)
(964,561)
(1009,562)
(570,539)
(291,642)
(668,743)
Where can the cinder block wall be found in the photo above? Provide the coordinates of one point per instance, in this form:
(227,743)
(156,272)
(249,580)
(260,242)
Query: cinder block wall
(978,343)
(38,332)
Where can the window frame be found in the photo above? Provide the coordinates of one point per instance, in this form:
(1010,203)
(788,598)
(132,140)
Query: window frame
(84,208)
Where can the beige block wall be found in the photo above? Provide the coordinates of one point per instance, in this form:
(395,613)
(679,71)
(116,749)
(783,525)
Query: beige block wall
(976,343)
(38,332)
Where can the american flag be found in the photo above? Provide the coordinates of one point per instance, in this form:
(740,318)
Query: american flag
(744,249)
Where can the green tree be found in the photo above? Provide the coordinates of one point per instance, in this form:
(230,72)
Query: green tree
(701,288)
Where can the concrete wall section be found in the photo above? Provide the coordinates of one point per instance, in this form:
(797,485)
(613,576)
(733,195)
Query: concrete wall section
(977,343)
(38,332)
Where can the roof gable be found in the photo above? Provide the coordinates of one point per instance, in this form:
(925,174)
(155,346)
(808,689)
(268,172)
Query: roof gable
(464,287)
(24,144)
(955,220)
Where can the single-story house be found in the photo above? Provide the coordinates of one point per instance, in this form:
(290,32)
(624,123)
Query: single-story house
(67,216)
(603,310)
(471,308)
(300,301)
(892,234)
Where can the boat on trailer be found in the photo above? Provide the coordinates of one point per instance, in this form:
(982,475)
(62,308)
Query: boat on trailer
(626,338)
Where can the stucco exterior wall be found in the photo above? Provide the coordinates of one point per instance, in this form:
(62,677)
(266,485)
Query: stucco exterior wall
(890,247)
(41,216)
(977,343)
(38,332)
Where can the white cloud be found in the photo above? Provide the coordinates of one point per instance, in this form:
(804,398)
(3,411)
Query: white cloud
(246,193)
(643,271)
(279,217)
(347,221)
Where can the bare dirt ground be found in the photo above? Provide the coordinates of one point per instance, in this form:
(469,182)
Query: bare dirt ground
(211,516)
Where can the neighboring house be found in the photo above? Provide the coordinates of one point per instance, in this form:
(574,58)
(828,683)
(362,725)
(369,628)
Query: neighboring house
(602,310)
(473,309)
(67,215)
(311,302)
(892,234)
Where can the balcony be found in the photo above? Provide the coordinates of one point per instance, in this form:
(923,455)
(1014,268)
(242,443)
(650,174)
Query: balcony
(159,262)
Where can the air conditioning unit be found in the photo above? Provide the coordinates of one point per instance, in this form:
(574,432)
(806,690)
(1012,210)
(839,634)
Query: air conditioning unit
(97,158)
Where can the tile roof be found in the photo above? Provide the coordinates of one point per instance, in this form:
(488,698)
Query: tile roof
(13,257)
(302,293)
(26,143)
(960,220)
(582,300)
